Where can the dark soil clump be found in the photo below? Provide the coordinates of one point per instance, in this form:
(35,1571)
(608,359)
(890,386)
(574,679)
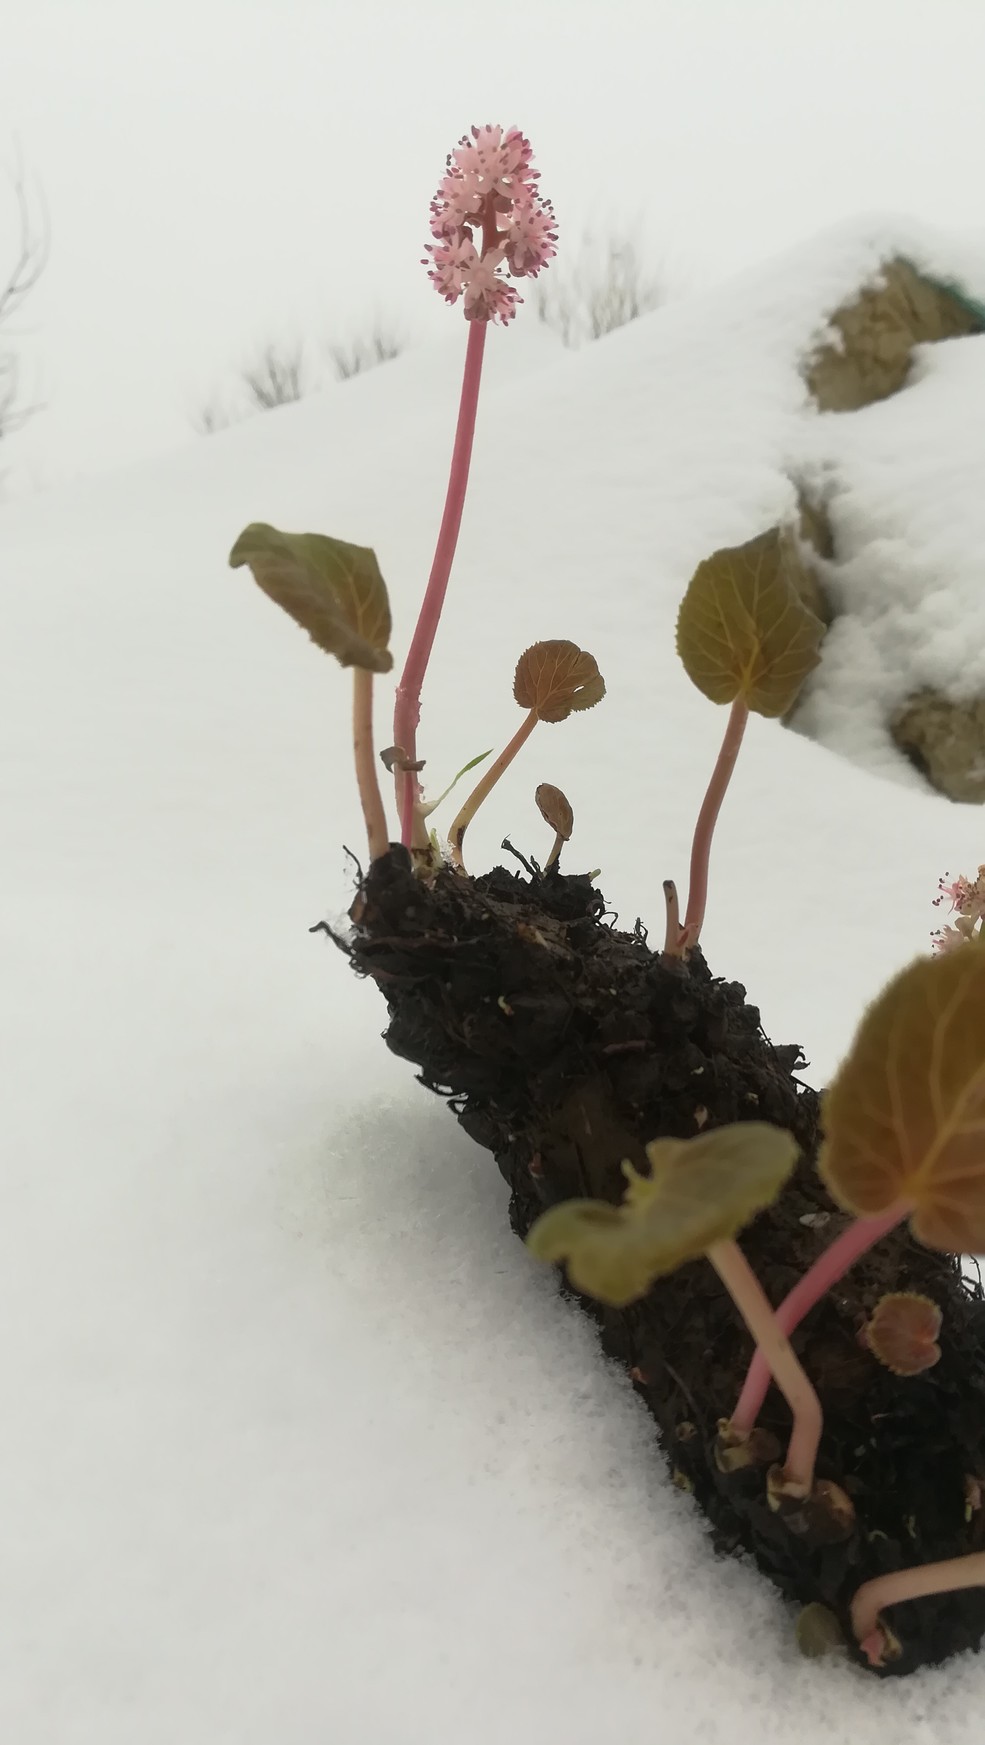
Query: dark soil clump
(563,1046)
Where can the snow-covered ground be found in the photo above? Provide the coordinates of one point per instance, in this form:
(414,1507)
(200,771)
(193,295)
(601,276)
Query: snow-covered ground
(299,1444)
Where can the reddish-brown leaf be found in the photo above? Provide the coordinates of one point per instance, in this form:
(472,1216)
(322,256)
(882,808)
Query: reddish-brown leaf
(902,1332)
(556,678)
(555,809)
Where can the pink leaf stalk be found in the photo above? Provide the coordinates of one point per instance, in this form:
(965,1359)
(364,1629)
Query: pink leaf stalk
(704,830)
(908,1584)
(828,1268)
(488,221)
(365,761)
(461,822)
(783,1367)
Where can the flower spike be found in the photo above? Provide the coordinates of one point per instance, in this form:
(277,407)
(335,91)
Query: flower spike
(488,220)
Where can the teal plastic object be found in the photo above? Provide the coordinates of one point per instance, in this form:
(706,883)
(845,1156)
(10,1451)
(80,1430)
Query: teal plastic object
(973,306)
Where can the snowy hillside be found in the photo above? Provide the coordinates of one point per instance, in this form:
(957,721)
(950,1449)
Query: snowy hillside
(300,1443)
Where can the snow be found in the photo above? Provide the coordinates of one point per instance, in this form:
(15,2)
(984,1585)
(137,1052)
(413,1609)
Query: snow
(300,1443)
(904,483)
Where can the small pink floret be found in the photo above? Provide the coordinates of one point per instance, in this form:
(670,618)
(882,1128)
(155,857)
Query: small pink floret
(487,296)
(529,237)
(947,939)
(967,903)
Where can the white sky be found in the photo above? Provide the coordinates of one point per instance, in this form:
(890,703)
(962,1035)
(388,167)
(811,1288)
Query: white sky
(221,170)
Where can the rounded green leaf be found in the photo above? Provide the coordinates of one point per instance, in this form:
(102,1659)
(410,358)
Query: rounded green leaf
(333,590)
(606,1254)
(700,1191)
(743,629)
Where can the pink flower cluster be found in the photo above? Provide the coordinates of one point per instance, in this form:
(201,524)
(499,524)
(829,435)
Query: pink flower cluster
(488,219)
(967,900)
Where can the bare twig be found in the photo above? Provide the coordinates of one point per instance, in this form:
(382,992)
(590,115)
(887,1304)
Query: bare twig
(31,258)
(605,289)
(276,377)
(377,347)
(281,372)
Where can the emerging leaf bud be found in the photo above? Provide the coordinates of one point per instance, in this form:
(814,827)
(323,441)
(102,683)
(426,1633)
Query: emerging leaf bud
(555,810)
(902,1332)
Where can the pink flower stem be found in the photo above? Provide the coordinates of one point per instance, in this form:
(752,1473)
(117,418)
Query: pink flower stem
(407,712)
(828,1268)
(697,895)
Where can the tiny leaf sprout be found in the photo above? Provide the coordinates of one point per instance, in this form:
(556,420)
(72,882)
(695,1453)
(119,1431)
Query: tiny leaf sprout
(336,593)
(746,638)
(430,806)
(424,846)
(555,809)
(552,680)
(902,1332)
(818,1631)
